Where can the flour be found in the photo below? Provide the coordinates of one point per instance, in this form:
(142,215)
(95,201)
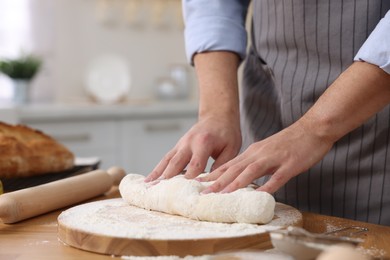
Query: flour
(115,218)
(247,255)
(206,257)
(181,196)
(91,223)
(372,252)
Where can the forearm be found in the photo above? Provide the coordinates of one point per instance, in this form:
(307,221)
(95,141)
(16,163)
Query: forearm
(360,92)
(217,133)
(218,84)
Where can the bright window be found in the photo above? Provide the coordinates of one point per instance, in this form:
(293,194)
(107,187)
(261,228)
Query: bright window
(14,35)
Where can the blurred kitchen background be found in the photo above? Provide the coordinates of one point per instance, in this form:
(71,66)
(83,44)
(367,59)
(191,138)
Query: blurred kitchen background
(114,82)
(70,34)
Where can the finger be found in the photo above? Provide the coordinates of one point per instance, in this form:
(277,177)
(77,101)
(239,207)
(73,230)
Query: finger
(252,171)
(225,179)
(225,156)
(177,164)
(216,173)
(277,180)
(161,166)
(197,164)
(212,176)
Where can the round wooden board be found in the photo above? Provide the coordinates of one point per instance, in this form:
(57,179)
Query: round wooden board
(112,227)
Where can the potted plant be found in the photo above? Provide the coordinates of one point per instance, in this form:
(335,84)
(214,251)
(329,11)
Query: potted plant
(21,70)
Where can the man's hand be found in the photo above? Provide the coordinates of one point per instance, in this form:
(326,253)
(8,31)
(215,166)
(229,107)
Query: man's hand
(360,92)
(217,133)
(210,137)
(283,155)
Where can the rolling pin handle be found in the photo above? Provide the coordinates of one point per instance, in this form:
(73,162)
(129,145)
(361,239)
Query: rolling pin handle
(7,208)
(116,174)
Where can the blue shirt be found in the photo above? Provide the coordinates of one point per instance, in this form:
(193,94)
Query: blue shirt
(208,21)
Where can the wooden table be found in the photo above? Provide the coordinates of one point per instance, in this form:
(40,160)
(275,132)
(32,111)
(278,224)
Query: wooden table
(36,238)
(376,239)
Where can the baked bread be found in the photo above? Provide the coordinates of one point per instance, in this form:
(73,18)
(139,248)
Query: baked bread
(28,152)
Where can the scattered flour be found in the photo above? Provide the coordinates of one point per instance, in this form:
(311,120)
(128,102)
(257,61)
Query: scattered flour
(116,218)
(205,257)
(372,252)
(242,255)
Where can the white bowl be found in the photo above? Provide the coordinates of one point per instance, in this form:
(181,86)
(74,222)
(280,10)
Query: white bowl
(108,78)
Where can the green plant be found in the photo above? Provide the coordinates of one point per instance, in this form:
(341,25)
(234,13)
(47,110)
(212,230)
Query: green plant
(24,67)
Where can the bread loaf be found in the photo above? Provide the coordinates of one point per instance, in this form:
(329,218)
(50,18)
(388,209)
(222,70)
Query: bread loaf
(27,152)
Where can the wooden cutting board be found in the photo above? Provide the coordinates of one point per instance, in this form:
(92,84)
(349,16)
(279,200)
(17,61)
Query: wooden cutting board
(112,227)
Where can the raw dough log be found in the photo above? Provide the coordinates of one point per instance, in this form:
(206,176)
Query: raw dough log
(180,196)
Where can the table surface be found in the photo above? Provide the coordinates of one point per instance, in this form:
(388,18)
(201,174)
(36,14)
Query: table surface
(36,238)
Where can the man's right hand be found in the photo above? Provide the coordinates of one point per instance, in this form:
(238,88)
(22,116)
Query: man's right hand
(217,133)
(218,138)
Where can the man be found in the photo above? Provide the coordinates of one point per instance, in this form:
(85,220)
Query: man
(315,119)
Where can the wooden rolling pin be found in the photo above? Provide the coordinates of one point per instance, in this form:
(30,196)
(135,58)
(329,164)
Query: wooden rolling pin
(26,203)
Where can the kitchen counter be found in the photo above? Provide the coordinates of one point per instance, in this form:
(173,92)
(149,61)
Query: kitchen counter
(90,111)
(36,238)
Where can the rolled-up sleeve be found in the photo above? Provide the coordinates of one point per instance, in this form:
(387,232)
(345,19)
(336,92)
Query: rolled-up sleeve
(376,49)
(217,25)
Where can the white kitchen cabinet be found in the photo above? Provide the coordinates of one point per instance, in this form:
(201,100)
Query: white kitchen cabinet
(86,139)
(145,142)
(132,137)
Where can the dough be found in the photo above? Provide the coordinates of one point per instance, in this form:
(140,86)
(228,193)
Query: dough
(180,196)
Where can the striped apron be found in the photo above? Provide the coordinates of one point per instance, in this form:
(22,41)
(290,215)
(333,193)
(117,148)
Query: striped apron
(299,47)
